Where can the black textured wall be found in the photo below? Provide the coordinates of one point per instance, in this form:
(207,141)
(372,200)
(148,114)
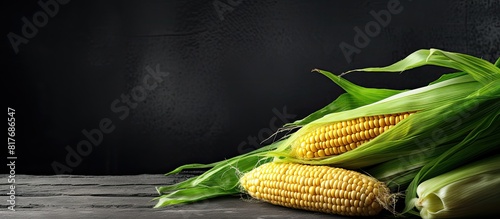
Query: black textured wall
(157,84)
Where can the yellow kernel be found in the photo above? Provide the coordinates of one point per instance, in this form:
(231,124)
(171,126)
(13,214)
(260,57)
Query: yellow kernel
(328,143)
(392,120)
(321,153)
(347,202)
(398,119)
(342,149)
(327,152)
(328,135)
(312,148)
(357,128)
(356,137)
(381,122)
(342,140)
(343,131)
(311,190)
(349,139)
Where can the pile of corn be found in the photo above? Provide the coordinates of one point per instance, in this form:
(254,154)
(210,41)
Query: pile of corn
(438,146)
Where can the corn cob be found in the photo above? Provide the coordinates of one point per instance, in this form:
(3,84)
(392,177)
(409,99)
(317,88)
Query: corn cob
(317,188)
(340,137)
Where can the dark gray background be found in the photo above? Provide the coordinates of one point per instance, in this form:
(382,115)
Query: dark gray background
(225,76)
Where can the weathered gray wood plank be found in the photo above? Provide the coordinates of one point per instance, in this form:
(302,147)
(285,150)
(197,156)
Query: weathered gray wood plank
(101,207)
(125,197)
(180,213)
(76,202)
(144,179)
(87,190)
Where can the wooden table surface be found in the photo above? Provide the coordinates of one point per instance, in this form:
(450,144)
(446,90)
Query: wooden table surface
(70,196)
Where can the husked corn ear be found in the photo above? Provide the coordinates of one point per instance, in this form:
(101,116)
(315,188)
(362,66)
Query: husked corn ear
(316,188)
(340,137)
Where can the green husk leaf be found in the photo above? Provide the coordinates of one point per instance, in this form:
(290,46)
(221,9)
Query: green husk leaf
(221,179)
(481,70)
(219,163)
(192,166)
(487,106)
(188,195)
(355,97)
(400,171)
(468,191)
(448,76)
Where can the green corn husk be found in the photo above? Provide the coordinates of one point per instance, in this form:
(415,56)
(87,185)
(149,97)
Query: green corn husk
(461,106)
(398,173)
(221,179)
(468,191)
(468,150)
